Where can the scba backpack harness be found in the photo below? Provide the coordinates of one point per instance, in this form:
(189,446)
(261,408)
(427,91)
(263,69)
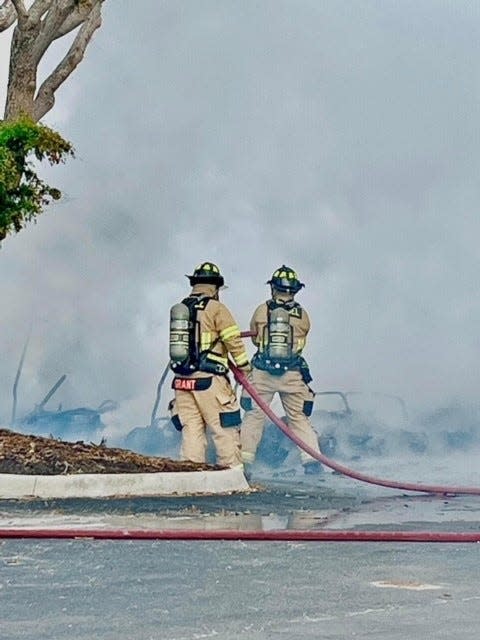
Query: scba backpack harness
(276,355)
(186,355)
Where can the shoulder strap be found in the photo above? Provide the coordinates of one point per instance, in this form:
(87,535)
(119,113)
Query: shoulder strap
(195,303)
(293,307)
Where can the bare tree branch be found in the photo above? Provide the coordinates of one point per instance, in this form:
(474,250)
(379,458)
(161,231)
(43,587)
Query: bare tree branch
(38,8)
(76,18)
(51,23)
(37,27)
(21,10)
(45,98)
(8,15)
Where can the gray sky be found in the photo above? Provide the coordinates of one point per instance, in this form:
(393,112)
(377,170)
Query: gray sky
(341,138)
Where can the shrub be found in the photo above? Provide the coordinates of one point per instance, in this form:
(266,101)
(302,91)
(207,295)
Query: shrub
(23,195)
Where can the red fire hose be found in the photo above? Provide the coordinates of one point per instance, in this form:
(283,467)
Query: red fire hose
(332,464)
(269,536)
(275,535)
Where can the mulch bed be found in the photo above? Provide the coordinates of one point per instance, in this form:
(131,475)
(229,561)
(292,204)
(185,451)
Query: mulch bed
(36,455)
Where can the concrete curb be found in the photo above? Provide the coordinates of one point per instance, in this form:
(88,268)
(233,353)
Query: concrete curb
(99,485)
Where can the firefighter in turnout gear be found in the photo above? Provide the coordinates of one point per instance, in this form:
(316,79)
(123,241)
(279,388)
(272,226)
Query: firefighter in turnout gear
(203,333)
(280,326)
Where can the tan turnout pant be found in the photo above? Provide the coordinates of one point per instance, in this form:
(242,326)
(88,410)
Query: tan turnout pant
(294,393)
(210,409)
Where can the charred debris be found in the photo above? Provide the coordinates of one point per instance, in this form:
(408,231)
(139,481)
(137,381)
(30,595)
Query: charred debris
(25,449)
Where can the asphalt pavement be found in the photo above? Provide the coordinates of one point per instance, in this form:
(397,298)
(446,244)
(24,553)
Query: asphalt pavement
(179,590)
(79,590)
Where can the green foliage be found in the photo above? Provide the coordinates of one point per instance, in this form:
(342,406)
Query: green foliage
(23,195)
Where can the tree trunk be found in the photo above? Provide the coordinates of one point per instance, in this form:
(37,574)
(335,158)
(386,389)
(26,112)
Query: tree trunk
(36,29)
(22,81)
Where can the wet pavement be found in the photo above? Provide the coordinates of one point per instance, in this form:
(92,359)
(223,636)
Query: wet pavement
(328,502)
(182,590)
(279,508)
(176,590)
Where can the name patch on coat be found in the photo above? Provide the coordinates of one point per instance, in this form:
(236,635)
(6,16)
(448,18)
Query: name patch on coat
(191,384)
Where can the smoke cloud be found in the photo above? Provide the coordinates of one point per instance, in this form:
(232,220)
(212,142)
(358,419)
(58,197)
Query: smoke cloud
(338,138)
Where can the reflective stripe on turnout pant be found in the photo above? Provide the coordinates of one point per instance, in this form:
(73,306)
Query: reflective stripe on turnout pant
(215,406)
(297,401)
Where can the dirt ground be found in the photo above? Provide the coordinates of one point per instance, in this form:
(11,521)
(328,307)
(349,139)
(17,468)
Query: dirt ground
(35,455)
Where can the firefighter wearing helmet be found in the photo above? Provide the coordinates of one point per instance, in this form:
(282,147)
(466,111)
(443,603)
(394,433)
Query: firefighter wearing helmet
(280,327)
(203,333)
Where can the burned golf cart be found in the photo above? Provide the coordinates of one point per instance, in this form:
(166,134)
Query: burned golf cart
(350,425)
(81,423)
(353,425)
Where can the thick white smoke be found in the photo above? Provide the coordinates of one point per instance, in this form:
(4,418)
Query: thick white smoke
(341,139)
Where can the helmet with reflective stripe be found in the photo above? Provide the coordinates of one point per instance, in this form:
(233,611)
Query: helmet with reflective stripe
(207,273)
(285,279)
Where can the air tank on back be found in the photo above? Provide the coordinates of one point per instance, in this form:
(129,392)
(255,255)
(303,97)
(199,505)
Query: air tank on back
(279,335)
(179,332)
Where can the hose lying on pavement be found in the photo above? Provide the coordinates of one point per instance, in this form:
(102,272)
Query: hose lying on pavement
(242,379)
(284,535)
(273,535)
